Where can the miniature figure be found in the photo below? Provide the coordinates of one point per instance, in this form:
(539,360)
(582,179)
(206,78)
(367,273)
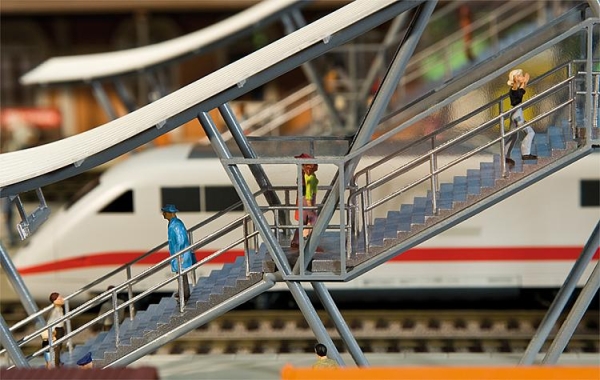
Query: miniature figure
(108,321)
(308,199)
(45,344)
(58,330)
(178,240)
(322,360)
(517,80)
(86,361)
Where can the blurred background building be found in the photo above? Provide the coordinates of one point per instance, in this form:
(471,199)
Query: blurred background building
(32,31)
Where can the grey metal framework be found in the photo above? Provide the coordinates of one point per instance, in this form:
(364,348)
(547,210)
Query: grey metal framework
(358,241)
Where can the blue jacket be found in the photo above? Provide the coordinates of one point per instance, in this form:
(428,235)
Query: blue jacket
(178,240)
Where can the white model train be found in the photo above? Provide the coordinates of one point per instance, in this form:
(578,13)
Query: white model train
(528,241)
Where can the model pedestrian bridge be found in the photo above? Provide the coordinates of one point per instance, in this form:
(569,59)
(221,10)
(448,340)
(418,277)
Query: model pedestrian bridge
(460,168)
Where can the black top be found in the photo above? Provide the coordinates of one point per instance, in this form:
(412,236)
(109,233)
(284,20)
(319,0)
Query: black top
(516,96)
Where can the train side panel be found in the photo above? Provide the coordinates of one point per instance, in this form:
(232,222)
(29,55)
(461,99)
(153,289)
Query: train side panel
(528,240)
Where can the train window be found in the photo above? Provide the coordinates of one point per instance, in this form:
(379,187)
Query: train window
(123,203)
(590,193)
(186,199)
(218,198)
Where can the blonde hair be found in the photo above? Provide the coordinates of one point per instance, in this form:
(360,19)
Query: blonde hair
(512,74)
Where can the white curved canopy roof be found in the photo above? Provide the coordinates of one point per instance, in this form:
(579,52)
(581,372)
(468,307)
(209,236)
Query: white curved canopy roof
(33,162)
(90,66)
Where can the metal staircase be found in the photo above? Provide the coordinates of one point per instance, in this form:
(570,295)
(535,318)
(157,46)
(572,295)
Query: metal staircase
(466,191)
(222,290)
(466,174)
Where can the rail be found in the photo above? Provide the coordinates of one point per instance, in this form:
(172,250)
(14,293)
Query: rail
(488,32)
(272,116)
(340,163)
(127,286)
(367,185)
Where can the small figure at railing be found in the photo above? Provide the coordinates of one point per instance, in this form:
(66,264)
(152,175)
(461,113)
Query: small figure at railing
(178,240)
(45,344)
(517,80)
(308,198)
(58,331)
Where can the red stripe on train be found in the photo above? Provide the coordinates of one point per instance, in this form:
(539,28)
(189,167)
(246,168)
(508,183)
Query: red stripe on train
(416,254)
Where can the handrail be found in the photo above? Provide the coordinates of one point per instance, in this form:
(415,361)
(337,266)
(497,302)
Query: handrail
(494,23)
(261,118)
(104,296)
(501,19)
(364,192)
(414,103)
(406,167)
(125,266)
(448,126)
(150,271)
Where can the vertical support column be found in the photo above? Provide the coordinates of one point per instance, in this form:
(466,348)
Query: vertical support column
(19,286)
(373,116)
(566,331)
(562,298)
(340,324)
(313,320)
(13,349)
(589,67)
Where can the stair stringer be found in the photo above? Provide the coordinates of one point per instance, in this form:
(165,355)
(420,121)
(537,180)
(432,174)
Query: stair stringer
(184,323)
(212,296)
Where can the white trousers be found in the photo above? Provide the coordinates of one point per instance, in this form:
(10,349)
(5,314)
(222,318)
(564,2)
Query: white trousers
(516,120)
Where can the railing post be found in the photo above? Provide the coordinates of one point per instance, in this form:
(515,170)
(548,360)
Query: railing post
(246,245)
(588,81)
(51,345)
(115,316)
(502,140)
(596,104)
(180,283)
(68,323)
(343,221)
(288,202)
(572,108)
(365,226)
(434,179)
(193,272)
(130,292)
(367,201)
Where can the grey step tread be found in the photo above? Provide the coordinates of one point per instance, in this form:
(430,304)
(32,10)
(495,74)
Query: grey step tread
(459,191)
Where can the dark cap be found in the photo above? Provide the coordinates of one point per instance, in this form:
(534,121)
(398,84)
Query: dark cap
(87,359)
(169,208)
(304,155)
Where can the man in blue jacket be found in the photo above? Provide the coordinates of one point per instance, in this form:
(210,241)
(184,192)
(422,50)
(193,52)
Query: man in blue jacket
(178,240)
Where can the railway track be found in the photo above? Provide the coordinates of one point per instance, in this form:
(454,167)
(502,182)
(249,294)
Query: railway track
(377,331)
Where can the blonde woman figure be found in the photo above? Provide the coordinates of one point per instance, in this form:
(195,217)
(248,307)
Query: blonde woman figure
(517,80)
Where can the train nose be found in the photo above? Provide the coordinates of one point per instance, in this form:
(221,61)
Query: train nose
(35,251)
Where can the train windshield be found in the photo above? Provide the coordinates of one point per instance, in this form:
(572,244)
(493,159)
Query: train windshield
(83,191)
